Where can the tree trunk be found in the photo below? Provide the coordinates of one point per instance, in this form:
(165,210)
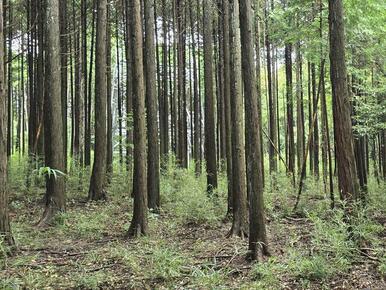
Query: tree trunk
(257,233)
(129,88)
(273,133)
(138,224)
(165,92)
(290,115)
(227,102)
(153,166)
(210,130)
(109,112)
(5,226)
(347,176)
(55,184)
(97,182)
(238,177)
(299,108)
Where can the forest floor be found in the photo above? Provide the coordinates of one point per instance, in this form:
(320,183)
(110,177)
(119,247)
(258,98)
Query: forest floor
(187,246)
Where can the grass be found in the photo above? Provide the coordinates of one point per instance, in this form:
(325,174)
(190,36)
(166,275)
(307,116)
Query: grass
(186,247)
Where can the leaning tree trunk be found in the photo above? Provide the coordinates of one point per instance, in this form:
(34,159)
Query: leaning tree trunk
(5,227)
(138,224)
(98,177)
(53,125)
(257,233)
(347,176)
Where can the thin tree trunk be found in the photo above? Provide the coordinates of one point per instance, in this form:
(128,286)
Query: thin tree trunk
(153,165)
(5,226)
(210,130)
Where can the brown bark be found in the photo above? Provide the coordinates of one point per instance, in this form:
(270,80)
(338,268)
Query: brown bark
(98,177)
(299,108)
(138,224)
(257,232)
(227,102)
(55,197)
(153,166)
(129,88)
(290,115)
(347,177)
(238,177)
(5,226)
(273,133)
(210,130)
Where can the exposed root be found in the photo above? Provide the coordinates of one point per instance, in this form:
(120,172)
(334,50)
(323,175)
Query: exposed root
(237,231)
(136,231)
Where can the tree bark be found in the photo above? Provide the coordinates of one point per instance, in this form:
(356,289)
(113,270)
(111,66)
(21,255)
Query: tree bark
(55,197)
(98,177)
(138,224)
(153,166)
(5,226)
(257,232)
(238,177)
(347,176)
(210,130)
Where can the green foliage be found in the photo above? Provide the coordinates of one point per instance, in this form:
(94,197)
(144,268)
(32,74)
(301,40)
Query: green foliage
(185,196)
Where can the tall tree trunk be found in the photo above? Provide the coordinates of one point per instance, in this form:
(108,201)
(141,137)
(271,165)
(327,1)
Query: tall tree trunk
(87,142)
(257,232)
(310,128)
(238,177)
(8,44)
(64,73)
(316,128)
(84,83)
(5,226)
(55,184)
(347,176)
(119,91)
(165,92)
(290,115)
(153,167)
(273,133)
(98,177)
(299,108)
(210,130)
(138,224)
(109,111)
(258,79)
(182,154)
(129,88)
(227,102)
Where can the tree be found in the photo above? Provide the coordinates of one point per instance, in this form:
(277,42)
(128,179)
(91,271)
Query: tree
(347,176)
(273,123)
(98,177)
(153,165)
(257,232)
(238,178)
(290,117)
(227,100)
(53,123)
(138,224)
(210,130)
(5,227)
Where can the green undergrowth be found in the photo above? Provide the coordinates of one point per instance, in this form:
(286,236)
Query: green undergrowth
(87,247)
